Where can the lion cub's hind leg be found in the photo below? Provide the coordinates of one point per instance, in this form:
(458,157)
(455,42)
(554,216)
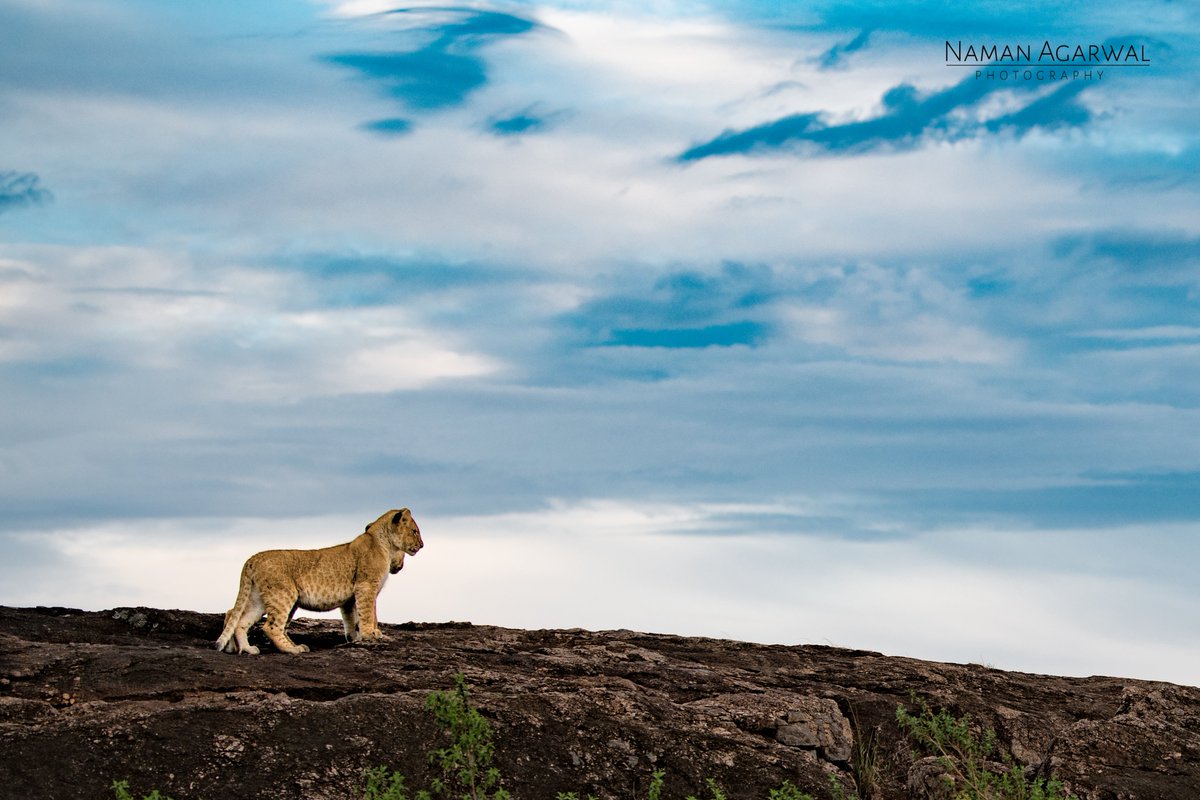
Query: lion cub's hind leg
(247,610)
(279,610)
(251,614)
(226,643)
(350,620)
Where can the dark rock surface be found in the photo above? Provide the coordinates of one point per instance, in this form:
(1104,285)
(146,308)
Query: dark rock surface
(140,694)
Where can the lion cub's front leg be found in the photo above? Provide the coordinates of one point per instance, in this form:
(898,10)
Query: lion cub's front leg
(365,594)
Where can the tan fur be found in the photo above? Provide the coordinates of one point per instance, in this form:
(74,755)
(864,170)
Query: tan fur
(347,576)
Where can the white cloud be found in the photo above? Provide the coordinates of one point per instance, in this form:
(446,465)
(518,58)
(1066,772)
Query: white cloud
(153,310)
(898,315)
(689,54)
(597,190)
(977,595)
(406,365)
(923,337)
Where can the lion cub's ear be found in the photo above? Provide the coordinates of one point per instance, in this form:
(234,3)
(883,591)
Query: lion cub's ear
(385,520)
(401,514)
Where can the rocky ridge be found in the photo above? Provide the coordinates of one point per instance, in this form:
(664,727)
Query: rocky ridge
(140,694)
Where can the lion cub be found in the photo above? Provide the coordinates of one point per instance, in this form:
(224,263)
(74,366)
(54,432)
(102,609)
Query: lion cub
(348,576)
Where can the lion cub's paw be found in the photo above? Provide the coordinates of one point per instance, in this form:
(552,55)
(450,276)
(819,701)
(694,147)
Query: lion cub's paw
(301,648)
(252,650)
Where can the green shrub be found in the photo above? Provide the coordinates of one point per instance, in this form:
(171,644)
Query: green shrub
(466,764)
(383,784)
(787,791)
(121,792)
(654,792)
(715,792)
(657,778)
(864,762)
(967,759)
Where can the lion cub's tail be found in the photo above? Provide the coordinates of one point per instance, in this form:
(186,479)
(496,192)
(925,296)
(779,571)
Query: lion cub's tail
(234,614)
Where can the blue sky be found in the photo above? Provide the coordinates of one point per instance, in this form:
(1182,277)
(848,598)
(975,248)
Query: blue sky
(742,319)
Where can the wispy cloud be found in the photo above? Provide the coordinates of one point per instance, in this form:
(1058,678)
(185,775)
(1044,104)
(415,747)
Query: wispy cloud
(442,72)
(909,119)
(354,279)
(1058,109)
(836,55)
(392,126)
(21,189)
(526,121)
(684,310)
(1148,254)
(1090,501)
(726,335)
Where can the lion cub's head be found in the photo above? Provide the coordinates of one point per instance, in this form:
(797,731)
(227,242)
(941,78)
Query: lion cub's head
(399,529)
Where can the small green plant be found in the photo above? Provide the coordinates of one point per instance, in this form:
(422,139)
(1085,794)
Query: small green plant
(654,792)
(383,784)
(657,778)
(121,791)
(715,792)
(466,764)
(970,772)
(864,762)
(788,791)
(785,791)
